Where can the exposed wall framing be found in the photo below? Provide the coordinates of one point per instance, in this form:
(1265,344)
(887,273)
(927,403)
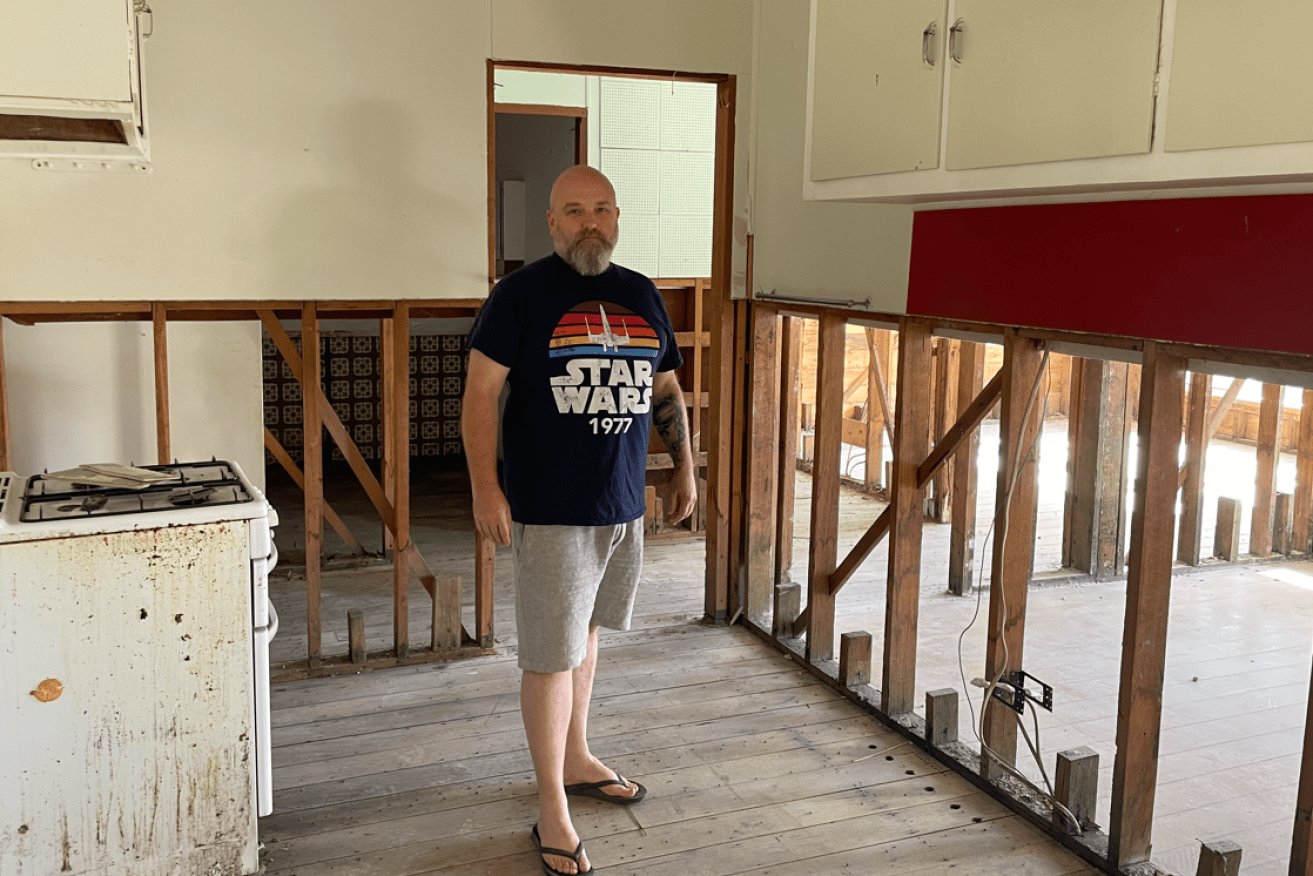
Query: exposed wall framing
(1106,396)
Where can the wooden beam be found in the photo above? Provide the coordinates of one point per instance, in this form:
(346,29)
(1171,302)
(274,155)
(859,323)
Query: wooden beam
(1070,510)
(877,356)
(1301,534)
(313,450)
(1226,538)
(700,341)
(398,413)
(1020,422)
(720,411)
(329,418)
(790,357)
(1097,483)
(763,464)
(1189,541)
(967,423)
(947,354)
(289,465)
(738,506)
(1148,596)
(823,554)
(1301,845)
(907,516)
(1224,406)
(965,426)
(388,375)
(6,444)
(962,537)
(485,568)
(159,318)
(881,388)
(534,109)
(1265,480)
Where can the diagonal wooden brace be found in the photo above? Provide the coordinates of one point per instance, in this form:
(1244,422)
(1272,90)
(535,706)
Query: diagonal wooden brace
(333,423)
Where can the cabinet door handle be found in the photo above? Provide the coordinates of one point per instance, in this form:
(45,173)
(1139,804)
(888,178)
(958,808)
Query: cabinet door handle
(956,36)
(929,43)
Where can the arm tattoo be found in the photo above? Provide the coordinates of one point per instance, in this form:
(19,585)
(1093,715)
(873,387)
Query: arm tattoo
(668,417)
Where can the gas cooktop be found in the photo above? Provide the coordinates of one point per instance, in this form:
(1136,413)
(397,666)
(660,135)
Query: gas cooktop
(188,485)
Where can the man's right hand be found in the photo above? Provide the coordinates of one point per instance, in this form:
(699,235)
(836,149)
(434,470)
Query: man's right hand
(492,516)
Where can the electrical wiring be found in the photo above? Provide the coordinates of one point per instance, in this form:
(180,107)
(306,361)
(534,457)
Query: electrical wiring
(1003,506)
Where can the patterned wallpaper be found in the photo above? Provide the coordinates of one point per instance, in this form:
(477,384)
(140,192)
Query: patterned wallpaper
(352,379)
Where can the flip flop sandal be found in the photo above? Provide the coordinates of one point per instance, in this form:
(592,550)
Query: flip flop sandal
(548,869)
(594,790)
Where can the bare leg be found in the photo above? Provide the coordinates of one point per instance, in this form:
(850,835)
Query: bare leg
(580,765)
(545,703)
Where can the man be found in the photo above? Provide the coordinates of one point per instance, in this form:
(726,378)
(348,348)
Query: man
(588,352)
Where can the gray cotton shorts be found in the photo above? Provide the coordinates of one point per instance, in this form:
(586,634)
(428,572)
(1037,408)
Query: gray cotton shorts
(568,578)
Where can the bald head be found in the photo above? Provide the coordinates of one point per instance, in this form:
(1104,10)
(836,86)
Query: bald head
(577,180)
(582,218)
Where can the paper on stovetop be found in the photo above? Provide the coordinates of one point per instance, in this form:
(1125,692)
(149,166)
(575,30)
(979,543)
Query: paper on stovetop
(112,474)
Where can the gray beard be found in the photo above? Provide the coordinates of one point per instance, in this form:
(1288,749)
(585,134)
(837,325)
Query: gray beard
(589,256)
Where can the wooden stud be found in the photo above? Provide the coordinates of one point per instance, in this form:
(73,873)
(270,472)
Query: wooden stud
(788,607)
(1095,526)
(1069,499)
(738,463)
(289,465)
(313,451)
(485,569)
(1219,858)
(790,357)
(941,716)
(947,355)
(1226,541)
(763,465)
(962,539)
(490,86)
(1020,421)
(823,555)
(1302,532)
(855,659)
(1190,534)
(1282,523)
(1076,787)
(399,412)
(355,628)
(388,365)
(720,411)
(696,394)
(159,319)
(446,615)
(877,353)
(1265,481)
(1301,844)
(907,515)
(1148,590)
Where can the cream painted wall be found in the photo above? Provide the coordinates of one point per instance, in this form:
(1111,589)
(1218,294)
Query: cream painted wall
(300,149)
(691,36)
(809,248)
(86,393)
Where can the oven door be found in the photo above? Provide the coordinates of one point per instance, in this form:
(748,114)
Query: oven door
(264,773)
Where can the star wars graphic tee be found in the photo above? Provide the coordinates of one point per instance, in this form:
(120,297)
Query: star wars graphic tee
(583,353)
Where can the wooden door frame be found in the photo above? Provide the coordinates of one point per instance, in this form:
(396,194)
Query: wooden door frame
(718,314)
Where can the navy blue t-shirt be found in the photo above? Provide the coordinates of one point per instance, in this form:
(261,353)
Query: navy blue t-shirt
(582,352)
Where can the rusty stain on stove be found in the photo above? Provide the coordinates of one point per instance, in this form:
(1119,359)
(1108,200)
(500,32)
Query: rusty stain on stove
(49,690)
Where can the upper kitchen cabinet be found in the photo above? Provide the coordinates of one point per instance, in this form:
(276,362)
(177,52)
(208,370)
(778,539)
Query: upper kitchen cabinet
(1234,66)
(1038,80)
(70,81)
(1060,100)
(877,80)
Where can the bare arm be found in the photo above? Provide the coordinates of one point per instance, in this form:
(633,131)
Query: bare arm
(478,424)
(672,425)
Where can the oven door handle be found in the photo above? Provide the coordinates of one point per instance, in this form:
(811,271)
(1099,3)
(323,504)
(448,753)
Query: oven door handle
(273,620)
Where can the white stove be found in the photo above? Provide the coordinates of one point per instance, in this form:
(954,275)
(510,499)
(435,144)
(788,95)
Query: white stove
(134,673)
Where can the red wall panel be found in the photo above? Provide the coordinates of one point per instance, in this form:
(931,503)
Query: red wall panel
(1235,272)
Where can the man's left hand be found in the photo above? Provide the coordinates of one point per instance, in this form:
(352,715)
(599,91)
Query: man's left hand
(681,496)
